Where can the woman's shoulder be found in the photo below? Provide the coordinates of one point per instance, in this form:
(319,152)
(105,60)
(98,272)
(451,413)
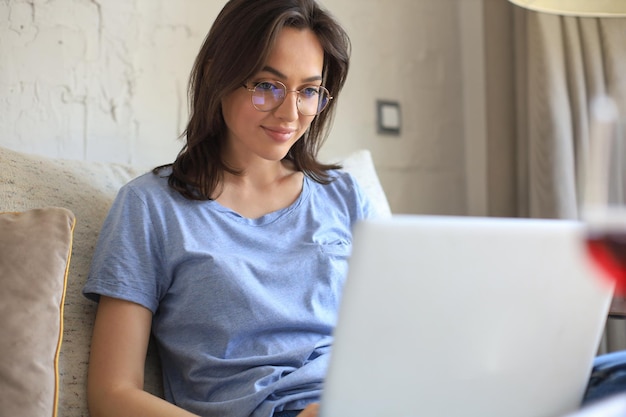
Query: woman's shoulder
(152,185)
(341,185)
(343,190)
(342,179)
(149,180)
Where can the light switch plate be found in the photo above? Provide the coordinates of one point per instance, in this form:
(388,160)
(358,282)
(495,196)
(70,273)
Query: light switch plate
(389,120)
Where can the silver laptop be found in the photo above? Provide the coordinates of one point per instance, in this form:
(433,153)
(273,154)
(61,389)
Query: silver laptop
(446,316)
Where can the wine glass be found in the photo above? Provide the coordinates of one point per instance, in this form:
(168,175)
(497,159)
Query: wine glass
(604,193)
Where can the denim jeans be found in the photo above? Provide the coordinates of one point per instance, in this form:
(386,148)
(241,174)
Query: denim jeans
(608,377)
(287,413)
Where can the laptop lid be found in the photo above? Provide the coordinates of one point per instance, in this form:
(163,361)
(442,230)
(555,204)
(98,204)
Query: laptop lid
(465,316)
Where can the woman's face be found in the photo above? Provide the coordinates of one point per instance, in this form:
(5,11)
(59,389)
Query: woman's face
(297,61)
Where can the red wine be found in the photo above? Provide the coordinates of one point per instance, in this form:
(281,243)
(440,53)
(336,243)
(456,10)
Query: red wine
(608,251)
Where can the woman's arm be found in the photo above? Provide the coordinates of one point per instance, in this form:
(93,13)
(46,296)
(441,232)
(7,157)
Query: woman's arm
(116,365)
(311,411)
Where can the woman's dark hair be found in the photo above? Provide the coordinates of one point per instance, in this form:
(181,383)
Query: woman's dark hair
(236,48)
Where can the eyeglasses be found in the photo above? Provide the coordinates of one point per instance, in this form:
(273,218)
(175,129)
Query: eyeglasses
(269,95)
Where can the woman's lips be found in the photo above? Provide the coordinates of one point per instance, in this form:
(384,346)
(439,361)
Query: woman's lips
(279,134)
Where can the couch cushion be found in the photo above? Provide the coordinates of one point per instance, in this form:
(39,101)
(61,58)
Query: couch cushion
(87,189)
(361,165)
(35,248)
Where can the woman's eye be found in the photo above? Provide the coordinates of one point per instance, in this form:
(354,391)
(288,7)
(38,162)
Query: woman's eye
(310,91)
(265,86)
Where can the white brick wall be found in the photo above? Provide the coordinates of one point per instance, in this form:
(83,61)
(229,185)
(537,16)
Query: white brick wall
(106,81)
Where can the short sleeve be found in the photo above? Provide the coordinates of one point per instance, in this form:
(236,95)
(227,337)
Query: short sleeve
(126,263)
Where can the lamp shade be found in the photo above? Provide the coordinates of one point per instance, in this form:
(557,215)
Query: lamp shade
(597,8)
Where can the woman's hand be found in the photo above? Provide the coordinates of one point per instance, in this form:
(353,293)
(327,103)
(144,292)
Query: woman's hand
(310,411)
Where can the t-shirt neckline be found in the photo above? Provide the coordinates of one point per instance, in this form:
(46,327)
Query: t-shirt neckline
(269,217)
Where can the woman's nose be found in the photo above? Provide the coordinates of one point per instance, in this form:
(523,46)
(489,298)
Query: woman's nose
(288,109)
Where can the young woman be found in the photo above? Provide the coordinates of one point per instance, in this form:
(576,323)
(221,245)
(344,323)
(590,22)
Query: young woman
(234,256)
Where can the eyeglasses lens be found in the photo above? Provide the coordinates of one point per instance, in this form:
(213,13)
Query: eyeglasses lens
(267,97)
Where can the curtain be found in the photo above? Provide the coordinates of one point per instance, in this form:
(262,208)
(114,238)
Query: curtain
(561,64)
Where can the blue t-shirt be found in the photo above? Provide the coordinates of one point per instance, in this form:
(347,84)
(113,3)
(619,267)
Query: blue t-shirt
(243,309)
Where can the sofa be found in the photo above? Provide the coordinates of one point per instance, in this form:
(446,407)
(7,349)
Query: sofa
(51,211)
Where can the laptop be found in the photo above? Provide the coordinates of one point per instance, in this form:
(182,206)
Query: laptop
(446,316)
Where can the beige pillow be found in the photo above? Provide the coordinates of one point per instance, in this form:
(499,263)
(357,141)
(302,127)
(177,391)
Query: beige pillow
(35,248)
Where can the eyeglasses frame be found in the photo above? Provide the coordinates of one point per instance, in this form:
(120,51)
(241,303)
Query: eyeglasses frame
(253,89)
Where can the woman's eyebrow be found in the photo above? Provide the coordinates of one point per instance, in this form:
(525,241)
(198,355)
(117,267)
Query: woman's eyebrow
(283,76)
